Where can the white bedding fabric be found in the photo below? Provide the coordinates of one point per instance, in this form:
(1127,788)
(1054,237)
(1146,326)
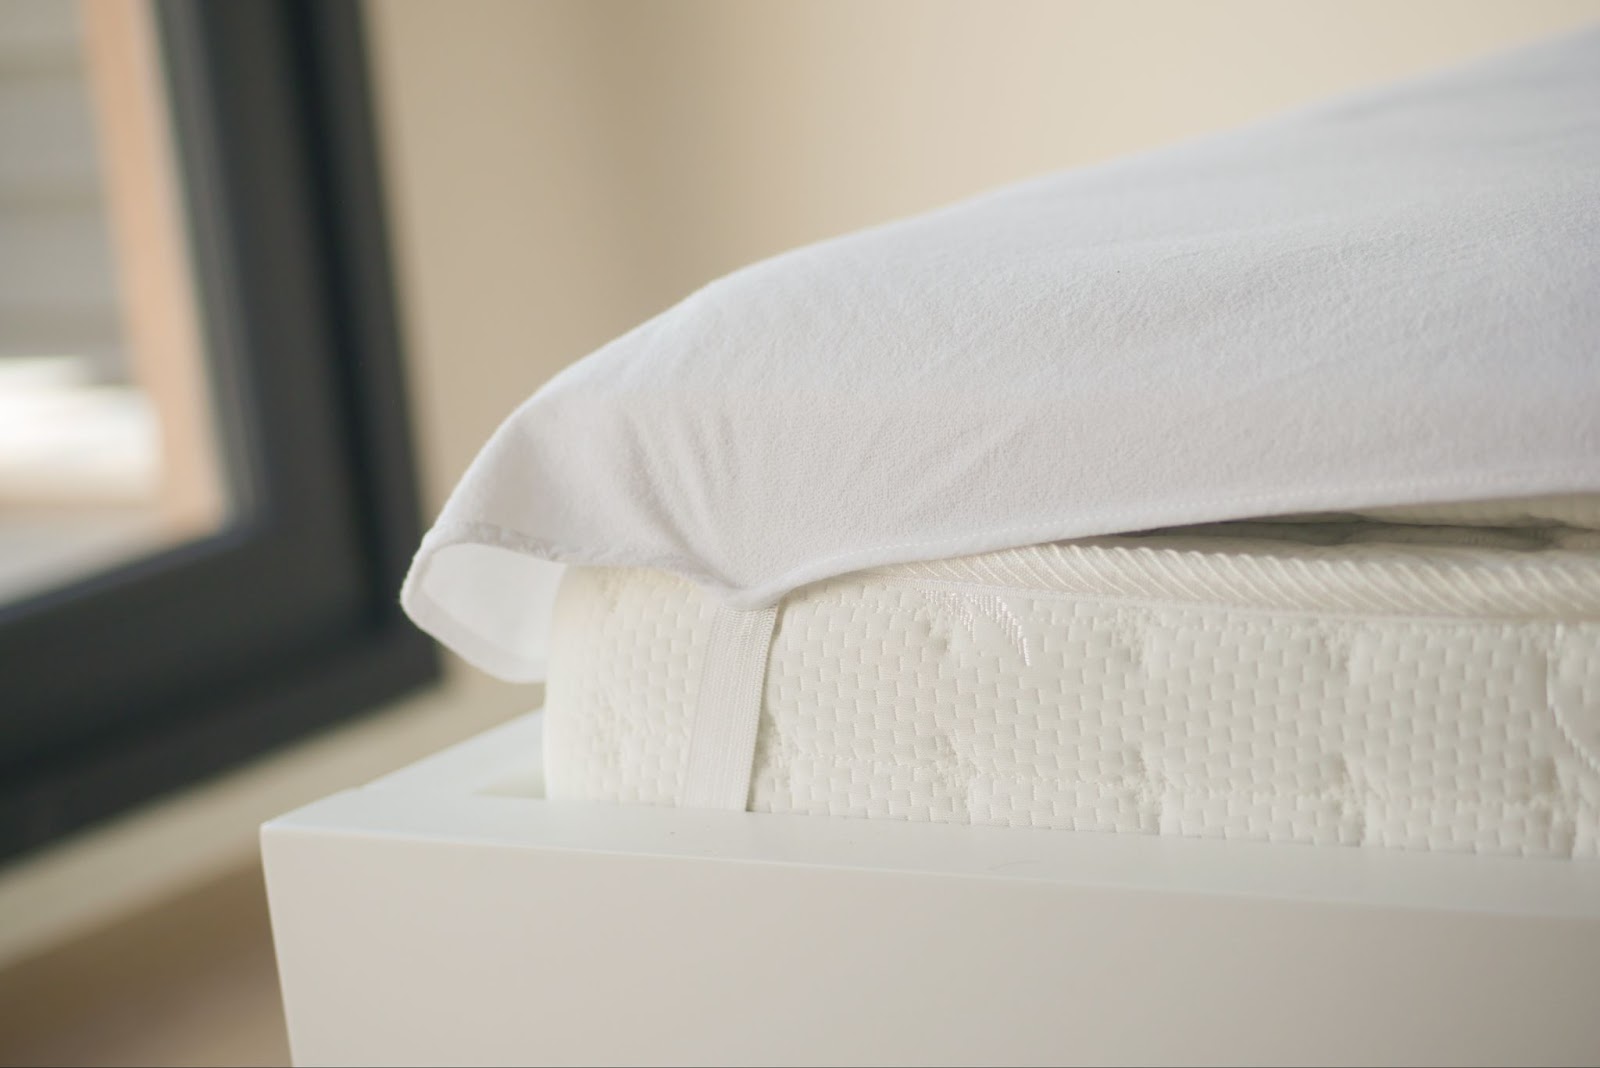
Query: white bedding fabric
(1339,681)
(1385,300)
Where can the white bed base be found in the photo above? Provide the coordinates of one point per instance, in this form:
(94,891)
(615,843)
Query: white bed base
(448,914)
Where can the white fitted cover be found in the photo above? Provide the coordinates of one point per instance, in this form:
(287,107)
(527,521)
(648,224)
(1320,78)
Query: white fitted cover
(1388,299)
(1337,681)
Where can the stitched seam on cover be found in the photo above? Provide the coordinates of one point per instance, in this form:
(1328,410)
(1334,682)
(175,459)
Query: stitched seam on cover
(1103,787)
(1269,619)
(1117,518)
(1241,614)
(1039,532)
(492,534)
(1372,584)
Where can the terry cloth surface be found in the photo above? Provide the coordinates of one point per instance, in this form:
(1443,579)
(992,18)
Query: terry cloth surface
(1389,299)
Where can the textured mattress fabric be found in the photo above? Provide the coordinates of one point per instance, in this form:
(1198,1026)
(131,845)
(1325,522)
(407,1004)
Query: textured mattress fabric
(1426,678)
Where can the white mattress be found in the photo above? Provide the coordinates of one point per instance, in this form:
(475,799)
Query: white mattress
(1426,678)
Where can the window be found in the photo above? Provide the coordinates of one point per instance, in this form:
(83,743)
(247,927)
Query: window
(206,495)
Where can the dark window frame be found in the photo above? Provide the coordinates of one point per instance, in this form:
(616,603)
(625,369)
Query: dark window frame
(173,668)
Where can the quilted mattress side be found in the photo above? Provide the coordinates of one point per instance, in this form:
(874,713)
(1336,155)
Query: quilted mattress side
(975,692)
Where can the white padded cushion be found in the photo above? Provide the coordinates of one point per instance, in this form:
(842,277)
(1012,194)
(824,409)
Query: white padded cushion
(1384,300)
(1429,696)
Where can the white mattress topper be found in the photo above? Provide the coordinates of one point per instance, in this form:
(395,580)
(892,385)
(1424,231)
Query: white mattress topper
(1385,300)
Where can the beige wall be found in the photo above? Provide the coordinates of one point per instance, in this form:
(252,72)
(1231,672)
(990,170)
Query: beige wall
(559,170)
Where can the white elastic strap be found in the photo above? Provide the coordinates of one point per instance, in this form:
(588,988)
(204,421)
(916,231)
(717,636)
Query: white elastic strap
(722,736)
